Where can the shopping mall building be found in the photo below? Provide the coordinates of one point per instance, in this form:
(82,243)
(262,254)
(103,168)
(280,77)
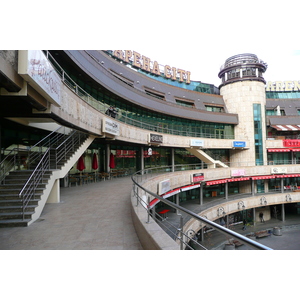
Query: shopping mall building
(126,112)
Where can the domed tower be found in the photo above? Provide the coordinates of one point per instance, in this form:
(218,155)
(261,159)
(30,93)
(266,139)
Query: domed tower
(243,90)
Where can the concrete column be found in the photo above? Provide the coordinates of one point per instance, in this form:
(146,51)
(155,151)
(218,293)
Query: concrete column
(54,196)
(266,186)
(173,159)
(282,212)
(142,158)
(202,234)
(201,194)
(254,218)
(226,190)
(252,188)
(177,202)
(281,185)
(106,167)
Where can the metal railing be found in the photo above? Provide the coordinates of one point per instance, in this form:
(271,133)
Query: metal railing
(29,190)
(60,153)
(12,162)
(41,157)
(124,117)
(182,237)
(36,151)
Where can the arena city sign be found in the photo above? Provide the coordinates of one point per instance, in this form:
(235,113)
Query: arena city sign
(283,86)
(144,63)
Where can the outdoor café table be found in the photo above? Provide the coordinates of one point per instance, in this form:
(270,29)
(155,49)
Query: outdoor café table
(164,214)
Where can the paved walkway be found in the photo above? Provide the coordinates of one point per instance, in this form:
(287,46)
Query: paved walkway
(95,216)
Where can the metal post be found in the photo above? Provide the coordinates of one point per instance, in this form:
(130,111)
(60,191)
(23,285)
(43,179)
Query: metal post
(201,194)
(181,232)
(282,212)
(177,202)
(137,195)
(148,210)
(173,159)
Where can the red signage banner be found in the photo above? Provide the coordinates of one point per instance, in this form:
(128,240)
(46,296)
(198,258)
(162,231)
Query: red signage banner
(291,143)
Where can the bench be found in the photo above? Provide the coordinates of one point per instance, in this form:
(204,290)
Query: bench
(236,243)
(262,233)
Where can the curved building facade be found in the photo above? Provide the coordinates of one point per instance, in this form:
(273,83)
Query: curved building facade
(142,115)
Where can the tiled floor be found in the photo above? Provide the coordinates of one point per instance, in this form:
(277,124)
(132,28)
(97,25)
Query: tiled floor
(95,216)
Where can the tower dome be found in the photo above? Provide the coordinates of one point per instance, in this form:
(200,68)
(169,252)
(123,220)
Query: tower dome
(242,67)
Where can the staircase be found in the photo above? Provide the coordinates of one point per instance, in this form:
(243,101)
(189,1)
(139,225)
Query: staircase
(24,192)
(211,163)
(11,205)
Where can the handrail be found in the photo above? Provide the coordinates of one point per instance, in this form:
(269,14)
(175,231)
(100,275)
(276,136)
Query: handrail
(216,226)
(29,189)
(102,107)
(10,163)
(68,144)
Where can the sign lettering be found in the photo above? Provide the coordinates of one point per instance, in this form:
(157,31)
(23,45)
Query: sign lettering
(155,138)
(236,144)
(291,143)
(283,86)
(144,63)
(197,177)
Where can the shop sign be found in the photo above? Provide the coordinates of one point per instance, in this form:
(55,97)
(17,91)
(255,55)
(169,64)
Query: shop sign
(283,86)
(291,143)
(238,173)
(237,144)
(278,170)
(145,63)
(35,68)
(155,138)
(164,186)
(111,126)
(196,143)
(197,177)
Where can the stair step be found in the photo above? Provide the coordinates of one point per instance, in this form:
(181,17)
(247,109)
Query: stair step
(14,223)
(17,187)
(13,209)
(17,202)
(9,197)
(15,215)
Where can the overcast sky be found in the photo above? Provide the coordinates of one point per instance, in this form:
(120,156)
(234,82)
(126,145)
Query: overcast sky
(191,35)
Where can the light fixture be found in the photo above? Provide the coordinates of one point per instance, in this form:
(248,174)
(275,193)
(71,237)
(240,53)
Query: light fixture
(221,211)
(241,205)
(288,198)
(263,201)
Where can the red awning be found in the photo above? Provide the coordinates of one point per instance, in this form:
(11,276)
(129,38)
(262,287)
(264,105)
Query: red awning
(279,150)
(295,149)
(213,182)
(238,179)
(287,175)
(286,127)
(153,202)
(263,177)
(190,187)
(171,193)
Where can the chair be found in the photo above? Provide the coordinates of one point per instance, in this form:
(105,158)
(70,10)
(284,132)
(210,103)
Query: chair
(73,180)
